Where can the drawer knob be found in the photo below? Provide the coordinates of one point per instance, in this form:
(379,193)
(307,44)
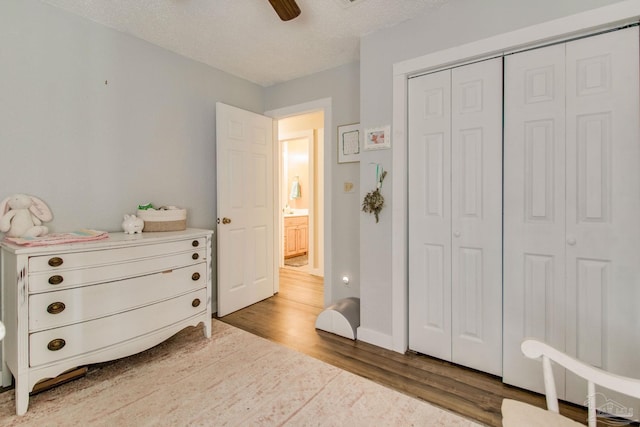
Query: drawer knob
(195,276)
(57,344)
(56,307)
(55,280)
(195,302)
(195,243)
(195,256)
(55,261)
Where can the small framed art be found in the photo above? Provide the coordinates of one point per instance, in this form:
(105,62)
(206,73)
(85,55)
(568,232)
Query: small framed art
(377,138)
(349,143)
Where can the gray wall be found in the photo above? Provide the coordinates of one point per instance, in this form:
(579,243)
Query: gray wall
(455,23)
(341,84)
(91,150)
(94,151)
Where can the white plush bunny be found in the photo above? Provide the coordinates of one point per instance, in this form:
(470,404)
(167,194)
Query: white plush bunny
(23,215)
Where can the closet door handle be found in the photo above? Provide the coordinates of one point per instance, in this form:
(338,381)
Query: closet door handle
(571,241)
(456,234)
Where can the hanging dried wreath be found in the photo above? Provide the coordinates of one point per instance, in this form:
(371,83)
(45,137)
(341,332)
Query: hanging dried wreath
(374,202)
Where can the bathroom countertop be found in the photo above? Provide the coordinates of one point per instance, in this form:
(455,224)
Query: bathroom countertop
(296,212)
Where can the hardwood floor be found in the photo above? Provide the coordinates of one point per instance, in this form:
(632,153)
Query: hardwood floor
(289,318)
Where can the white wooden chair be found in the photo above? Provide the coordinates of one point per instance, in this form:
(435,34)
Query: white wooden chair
(521,414)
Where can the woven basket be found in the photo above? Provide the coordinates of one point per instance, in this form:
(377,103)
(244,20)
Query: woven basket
(169,220)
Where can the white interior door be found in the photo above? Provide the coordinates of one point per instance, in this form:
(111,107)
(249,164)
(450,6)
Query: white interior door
(603,207)
(534,210)
(476,216)
(245,233)
(455,215)
(572,203)
(430,214)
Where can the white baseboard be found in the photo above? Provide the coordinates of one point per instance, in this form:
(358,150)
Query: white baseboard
(376,338)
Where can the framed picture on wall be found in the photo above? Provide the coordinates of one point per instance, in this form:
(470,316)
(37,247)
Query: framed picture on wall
(349,143)
(377,138)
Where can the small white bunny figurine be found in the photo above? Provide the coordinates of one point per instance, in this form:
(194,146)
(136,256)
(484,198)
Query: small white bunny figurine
(132,224)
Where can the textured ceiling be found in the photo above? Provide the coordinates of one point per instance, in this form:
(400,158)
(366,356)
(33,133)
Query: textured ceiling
(246,38)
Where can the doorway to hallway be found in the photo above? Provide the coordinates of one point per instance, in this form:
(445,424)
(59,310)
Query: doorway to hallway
(301,195)
(322,214)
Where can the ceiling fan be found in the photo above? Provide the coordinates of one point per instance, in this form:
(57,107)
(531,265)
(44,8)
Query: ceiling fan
(286,9)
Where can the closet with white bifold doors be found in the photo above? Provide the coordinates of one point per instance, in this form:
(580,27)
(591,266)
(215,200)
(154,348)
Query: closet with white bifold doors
(455,215)
(572,209)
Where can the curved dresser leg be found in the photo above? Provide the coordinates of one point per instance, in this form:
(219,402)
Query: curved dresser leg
(22,396)
(207,329)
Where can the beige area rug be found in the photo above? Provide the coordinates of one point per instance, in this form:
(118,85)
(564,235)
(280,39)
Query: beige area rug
(234,379)
(298,261)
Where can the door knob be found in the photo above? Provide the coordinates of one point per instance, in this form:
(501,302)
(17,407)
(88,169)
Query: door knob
(571,241)
(226,220)
(456,234)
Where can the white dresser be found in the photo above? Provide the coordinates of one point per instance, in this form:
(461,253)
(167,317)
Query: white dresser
(75,304)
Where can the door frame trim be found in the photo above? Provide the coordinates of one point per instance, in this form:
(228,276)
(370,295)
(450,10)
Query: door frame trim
(594,20)
(323,104)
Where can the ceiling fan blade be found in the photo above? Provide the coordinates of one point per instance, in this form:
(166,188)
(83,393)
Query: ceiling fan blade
(286,9)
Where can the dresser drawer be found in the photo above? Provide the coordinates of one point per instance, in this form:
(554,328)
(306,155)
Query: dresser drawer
(74,340)
(63,279)
(56,262)
(60,308)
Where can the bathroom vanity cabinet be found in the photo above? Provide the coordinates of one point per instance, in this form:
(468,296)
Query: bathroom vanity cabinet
(296,235)
(75,304)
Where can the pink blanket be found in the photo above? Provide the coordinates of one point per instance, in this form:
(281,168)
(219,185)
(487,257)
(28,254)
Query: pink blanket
(83,235)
